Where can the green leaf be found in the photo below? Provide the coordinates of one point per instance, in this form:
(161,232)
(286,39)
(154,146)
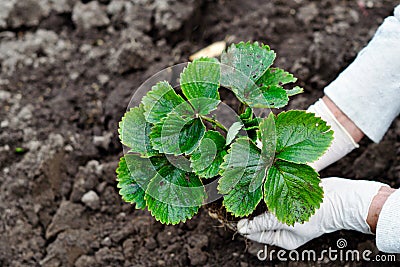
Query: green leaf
(201,79)
(134,175)
(240,201)
(160,101)
(247,114)
(242,65)
(301,137)
(292,192)
(276,77)
(130,190)
(294,91)
(191,135)
(268,138)
(144,169)
(173,195)
(251,59)
(244,154)
(241,166)
(233,131)
(176,134)
(245,90)
(250,123)
(134,132)
(275,96)
(268,141)
(207,158)
(203,106)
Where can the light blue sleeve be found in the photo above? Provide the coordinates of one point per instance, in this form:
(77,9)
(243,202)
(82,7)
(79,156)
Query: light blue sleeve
(368,91)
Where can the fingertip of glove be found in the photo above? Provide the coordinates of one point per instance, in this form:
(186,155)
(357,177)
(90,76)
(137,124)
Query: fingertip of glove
(242,226)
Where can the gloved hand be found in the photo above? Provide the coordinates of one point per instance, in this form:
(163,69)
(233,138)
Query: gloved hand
(345,206)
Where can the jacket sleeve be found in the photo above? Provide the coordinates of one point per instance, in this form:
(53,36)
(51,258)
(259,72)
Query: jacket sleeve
(368,90)
(388,227)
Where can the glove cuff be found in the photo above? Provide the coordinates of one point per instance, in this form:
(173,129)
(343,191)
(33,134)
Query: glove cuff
(351,200)
(370,192)
(342,143)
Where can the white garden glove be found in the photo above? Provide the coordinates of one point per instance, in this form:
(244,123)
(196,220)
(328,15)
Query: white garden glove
(342,143)
(345,206)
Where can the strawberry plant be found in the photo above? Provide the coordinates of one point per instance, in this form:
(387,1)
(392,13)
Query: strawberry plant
(176,146)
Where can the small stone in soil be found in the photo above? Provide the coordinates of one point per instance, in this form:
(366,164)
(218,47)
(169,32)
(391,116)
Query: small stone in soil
(91,199)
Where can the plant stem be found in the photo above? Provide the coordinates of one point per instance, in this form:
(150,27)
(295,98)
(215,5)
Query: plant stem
(242,107)
(214,122)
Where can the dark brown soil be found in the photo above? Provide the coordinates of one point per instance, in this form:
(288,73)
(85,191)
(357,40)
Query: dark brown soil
(66,80)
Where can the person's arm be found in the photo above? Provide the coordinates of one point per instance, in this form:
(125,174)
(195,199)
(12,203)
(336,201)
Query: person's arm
(368,91)
(376,206)
(345,121)
(365,97)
